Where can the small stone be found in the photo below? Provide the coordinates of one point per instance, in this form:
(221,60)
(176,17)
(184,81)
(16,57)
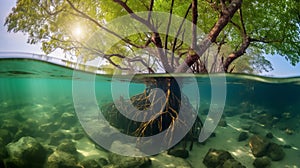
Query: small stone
(179,152)
(243,136)
(215,158)
(269,135)
(213,135)
(68,147)
(262,162)
(275,152)
(232,163)
(102,161)
(222,123)
(258,145)
(287,146)
(56,138)
(78,136)
(91,163)
(246,127)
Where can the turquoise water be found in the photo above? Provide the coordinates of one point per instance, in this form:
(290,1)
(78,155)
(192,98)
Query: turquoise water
(36,93)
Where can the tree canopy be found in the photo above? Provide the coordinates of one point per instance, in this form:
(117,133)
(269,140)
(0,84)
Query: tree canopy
(230,29)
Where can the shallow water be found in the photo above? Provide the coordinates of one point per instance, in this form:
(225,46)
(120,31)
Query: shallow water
(36,93)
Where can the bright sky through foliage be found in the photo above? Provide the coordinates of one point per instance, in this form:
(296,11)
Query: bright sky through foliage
(18,42)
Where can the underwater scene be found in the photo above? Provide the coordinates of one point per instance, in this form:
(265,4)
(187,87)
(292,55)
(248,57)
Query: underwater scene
(54,116)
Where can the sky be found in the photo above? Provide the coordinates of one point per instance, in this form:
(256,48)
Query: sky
(17,42)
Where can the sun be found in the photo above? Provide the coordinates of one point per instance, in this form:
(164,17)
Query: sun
(77,32)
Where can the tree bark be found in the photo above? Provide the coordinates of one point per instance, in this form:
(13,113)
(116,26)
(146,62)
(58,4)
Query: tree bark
(233,56)
(226,15)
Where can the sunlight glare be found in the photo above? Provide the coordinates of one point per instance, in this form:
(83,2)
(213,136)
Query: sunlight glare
(77,32)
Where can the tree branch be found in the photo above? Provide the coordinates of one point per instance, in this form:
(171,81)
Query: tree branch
(213,34)
(84,15)
(242,50)
(150,10)
(155,36)
(213,66)
(52,13)
(168,28)
(242,21)
(264,40)
(177,34)
(194,26)
(133,15)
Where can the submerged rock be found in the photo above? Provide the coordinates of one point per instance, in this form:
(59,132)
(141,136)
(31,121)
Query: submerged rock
(12,125)
(57,137)
(6,136)
(3,151)
(269,135)
(59,159)
(90,163)
(215,158)
(78,136)
(128,162)
(68,147)
(163,160)
(287,146)
(26,152)
(275,152)
(26,129)
(68,120)
(243,136)
(261,162)
(232,163)
(222,123)
(102,161)
(179,152)
(48,128)
(258,145)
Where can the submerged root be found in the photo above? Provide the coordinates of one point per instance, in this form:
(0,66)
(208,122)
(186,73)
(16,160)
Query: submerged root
(160,114)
